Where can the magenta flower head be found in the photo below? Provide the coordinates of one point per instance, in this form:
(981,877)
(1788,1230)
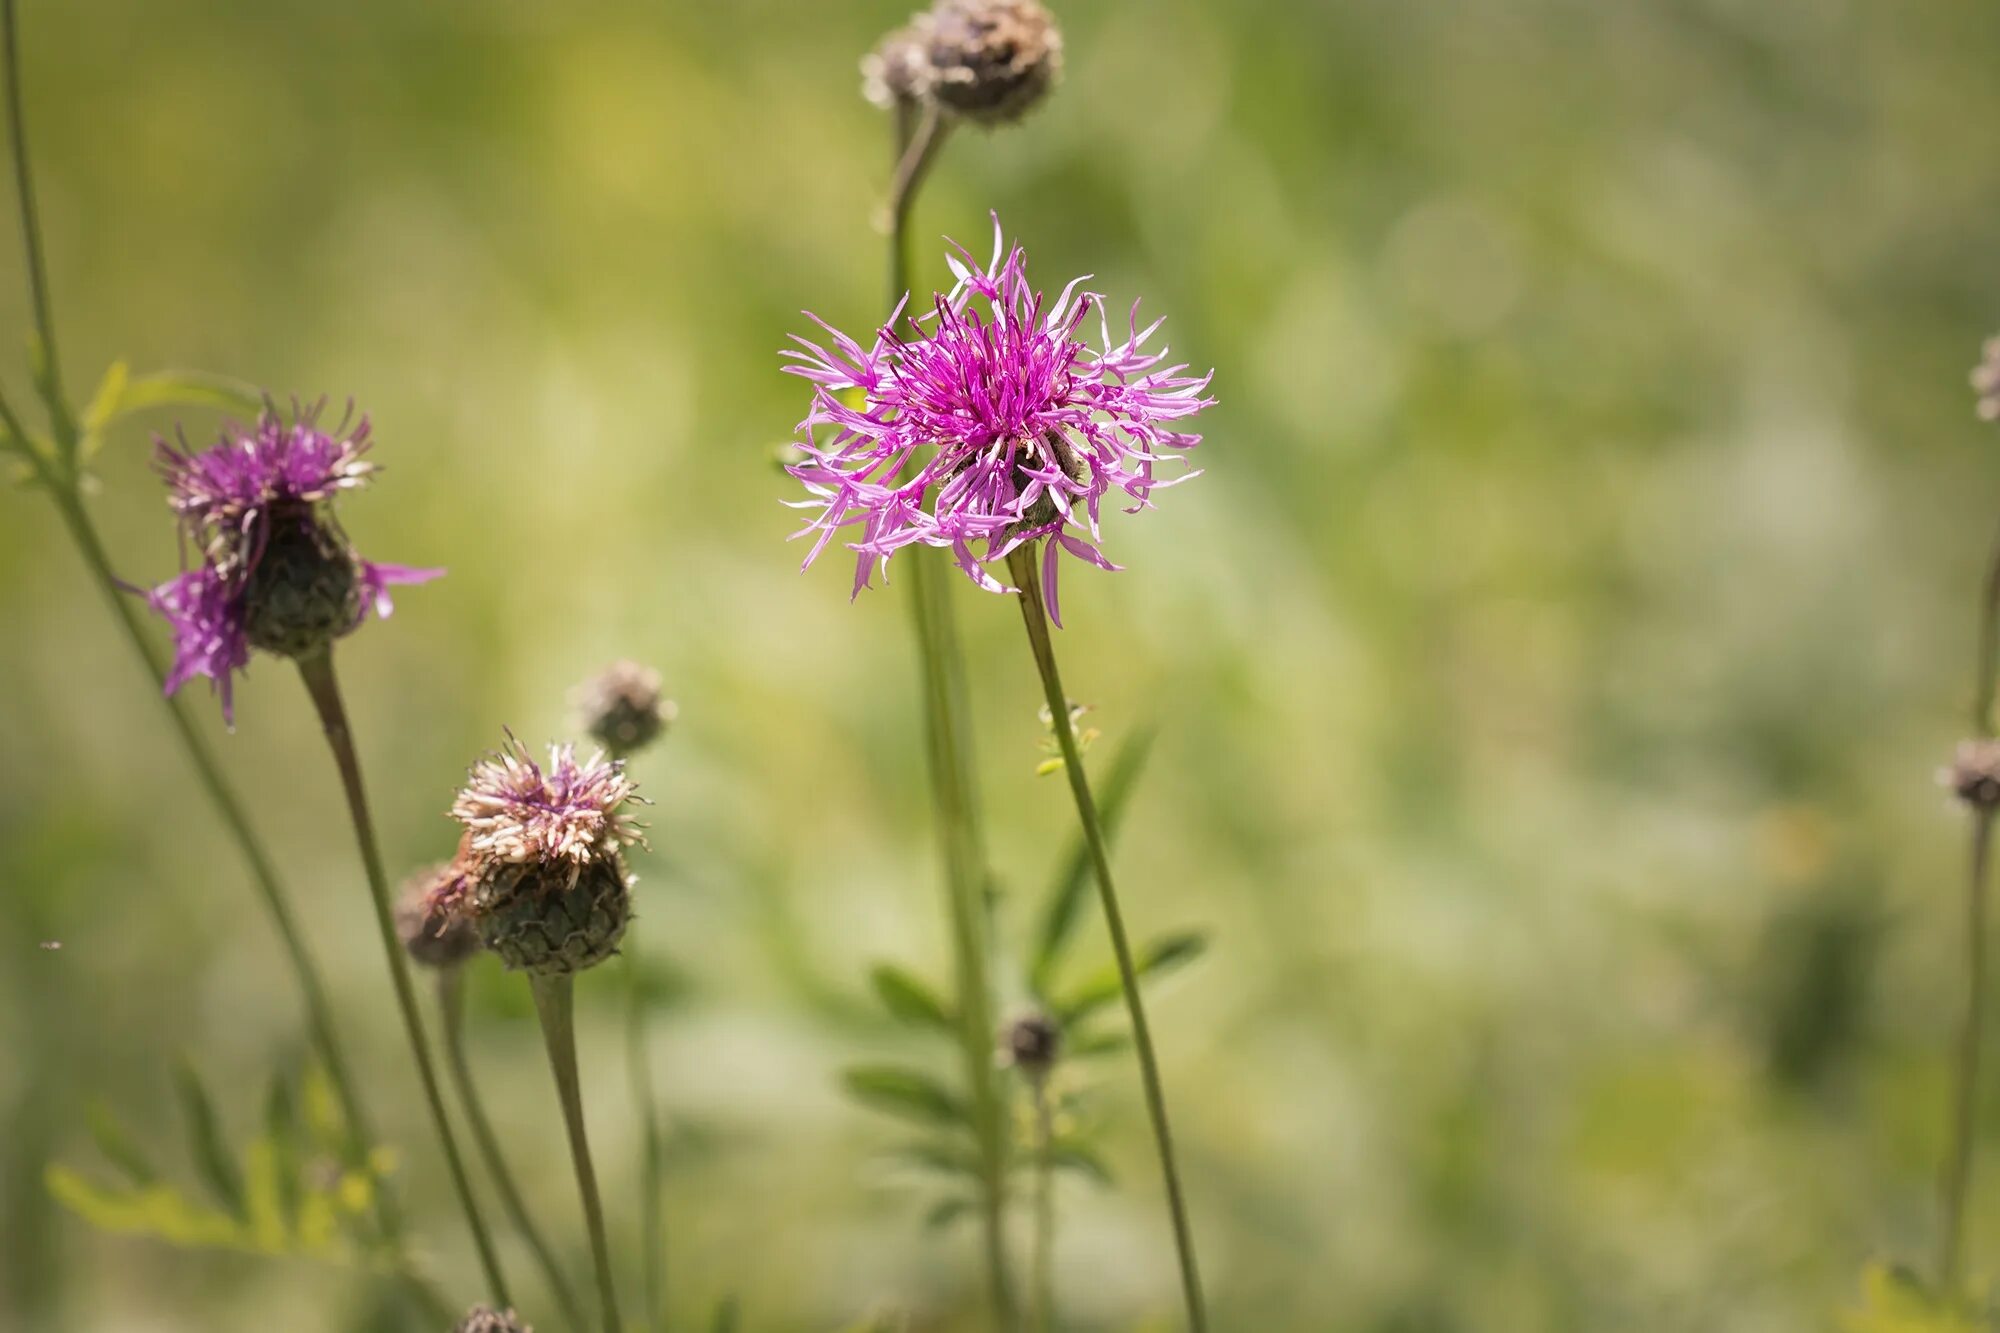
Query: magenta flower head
(543,873)
(988,423)
(276,571)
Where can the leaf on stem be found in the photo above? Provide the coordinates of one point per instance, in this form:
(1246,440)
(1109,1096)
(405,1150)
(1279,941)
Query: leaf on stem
(908,1093)
(1102,987)
(909,999)
(1062,909)
(204,1136)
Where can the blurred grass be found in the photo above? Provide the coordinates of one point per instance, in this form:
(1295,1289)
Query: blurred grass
(1549,669)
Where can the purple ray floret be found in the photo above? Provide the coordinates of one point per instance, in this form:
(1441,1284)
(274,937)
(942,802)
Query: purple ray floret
(987,423)
(230,499)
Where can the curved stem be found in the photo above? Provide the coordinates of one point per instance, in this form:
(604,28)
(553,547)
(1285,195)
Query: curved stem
(208,771)
(954,799)
(320,683)
(1045,1205)
(652,1229)
(451,1007)
(49,369)
(1021,562)
(554,996)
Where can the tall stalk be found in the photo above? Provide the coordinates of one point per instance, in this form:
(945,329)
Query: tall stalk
(59,475)
(451,1010)
(954,800)
(1022,564)
(652,1166)
(1043,1280)
(554,1005)
(1956,1185)
(322,685)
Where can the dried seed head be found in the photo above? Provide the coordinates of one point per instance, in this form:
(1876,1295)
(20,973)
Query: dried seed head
(1986,380)
(433,932)
(486,1319)
(1974,775)
(1033,1044)
(622,709)
(990,60)
(305,589)
(552,917)
(897,72)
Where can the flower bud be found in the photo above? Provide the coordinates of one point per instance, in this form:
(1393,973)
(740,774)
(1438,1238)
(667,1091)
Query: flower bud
(1033,1043)
(551,917)
(486,1319)
(433,933)
(304,590)
(1974,774)
(622,708)
(1986,380)
(897,72)
(991,60)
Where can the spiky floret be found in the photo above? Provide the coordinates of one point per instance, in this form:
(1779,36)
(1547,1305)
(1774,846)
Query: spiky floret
(486,1319)
(544,882)
(434,931)
(518,811)
(276,570)
(622,708)
(987,423)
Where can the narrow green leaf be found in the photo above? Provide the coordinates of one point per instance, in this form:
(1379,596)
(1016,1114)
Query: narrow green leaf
(1103,986)
(171,388)
(910,999)
(205,1142)
(157,1211)
(1073,1155)
(947,1158)
(264,1209)
(946,1211)
(728,1315)
(117,1146)
(103,406)
(904,1092)
(1062,910)
(281,1131)
(1092,1045)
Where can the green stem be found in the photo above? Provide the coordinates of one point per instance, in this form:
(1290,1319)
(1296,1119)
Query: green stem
(451,1007)
(554,1003)
(1958,1171)
(1021,561)
(49,368)
(322,685)
(948,744)
(208,771)
(1988,661)
(652,1228)
(1045,1205)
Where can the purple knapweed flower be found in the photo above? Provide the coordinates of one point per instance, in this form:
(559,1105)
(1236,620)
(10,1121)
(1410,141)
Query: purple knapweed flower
(276,572)
(987,423)
(515,810)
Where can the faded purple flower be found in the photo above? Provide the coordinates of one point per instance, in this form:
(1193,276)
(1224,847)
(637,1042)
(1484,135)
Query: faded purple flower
(987,423)
(276,572)
(516,811)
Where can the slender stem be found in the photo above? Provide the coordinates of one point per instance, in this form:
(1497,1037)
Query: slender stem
(1987,668)
(948,743)
(208,771)
(652,1227)
(451,1007)
(1958,1172)
(918,152)
(1021,561)
(554,996)
(321,684)
(50,368)
(1045,1204)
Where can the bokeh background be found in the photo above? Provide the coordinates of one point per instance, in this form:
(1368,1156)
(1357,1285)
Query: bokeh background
(1550,670)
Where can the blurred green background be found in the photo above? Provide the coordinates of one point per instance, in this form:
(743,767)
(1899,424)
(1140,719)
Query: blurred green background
(1550,670)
